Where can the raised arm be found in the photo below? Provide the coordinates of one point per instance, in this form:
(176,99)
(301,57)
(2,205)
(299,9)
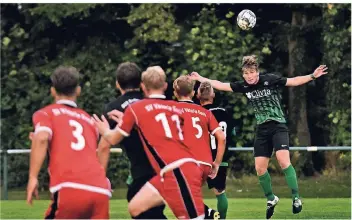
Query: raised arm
(300,80)
(214,83)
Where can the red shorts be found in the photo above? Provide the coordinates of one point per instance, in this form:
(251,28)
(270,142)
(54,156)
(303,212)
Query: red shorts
(181,189)
(70,203)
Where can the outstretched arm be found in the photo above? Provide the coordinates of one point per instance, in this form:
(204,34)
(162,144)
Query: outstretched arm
(114,136)
(300,80)
(214,83)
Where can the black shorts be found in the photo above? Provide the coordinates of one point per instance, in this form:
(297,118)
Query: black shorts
(219,182)
(270,136)
(153,213)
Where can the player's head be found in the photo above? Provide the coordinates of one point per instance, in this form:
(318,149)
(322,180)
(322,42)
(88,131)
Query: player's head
(250,69)
(154,80)
(65,82)
(128,76)
(205,93)
(184,87)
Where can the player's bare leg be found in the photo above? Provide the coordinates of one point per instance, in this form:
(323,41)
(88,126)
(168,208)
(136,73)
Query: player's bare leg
(283,157)
(147,198)
(261,166)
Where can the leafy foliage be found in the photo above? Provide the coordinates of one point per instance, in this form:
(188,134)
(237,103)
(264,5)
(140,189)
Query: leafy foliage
(36,38)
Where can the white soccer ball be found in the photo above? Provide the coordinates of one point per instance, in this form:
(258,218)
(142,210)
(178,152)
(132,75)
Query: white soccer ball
(246,19)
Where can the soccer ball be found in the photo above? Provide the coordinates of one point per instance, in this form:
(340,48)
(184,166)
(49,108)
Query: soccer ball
(246,19)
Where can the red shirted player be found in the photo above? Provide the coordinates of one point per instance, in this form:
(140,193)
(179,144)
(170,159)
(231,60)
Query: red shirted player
(159,123)
(199,123)
(78,182)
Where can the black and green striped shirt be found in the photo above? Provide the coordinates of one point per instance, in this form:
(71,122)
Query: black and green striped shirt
(264,97)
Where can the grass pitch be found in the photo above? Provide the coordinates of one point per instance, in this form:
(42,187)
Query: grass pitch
(250,208)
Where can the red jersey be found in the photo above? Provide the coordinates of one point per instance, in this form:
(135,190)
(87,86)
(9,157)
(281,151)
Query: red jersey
(199,123)
(73,161)
(160,126)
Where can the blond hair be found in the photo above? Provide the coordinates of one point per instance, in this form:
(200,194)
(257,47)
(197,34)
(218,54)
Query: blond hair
(205,91)
(184,86)
(250,62)
(154,77)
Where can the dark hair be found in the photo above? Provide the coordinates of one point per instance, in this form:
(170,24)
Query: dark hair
(128,75)
(65,80)
(249,62)
(205,91)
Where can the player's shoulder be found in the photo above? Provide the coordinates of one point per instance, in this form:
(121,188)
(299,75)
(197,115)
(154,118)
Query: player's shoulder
(268,76)
(214,108)
(217,109)
(239,83)
(46,110)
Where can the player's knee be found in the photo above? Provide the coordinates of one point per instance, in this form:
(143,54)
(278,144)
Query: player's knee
(219,191)
(134,209)
(260,170)
(284,162)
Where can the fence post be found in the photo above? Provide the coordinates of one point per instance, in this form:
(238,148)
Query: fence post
(4,169)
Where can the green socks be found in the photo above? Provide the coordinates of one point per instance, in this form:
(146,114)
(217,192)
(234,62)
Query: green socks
(265,182)
(222,205)
(291,179)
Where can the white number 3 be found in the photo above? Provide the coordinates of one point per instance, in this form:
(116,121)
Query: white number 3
(77,133)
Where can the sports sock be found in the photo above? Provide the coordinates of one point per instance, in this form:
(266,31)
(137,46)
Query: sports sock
(291,179)
(265,182)
(222,205)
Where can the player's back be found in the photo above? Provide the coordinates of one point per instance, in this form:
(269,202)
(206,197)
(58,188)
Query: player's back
(132,145)
(73,144)
(225,122)
(199,122)
(160,123)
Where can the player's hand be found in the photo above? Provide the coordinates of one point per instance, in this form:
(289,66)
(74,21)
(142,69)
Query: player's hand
(116,116)
(31,135)
(102,125)
(321,70)
(32,189)
(214,170)
(195,76)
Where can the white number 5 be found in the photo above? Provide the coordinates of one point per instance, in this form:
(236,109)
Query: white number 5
(197,126)
(77,133)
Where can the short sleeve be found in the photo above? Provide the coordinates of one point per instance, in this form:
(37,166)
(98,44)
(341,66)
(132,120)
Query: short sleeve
(277,80)
(213,124)
(236,86)
(129,119)
(42,122)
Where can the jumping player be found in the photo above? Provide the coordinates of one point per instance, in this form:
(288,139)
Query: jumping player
(263,95)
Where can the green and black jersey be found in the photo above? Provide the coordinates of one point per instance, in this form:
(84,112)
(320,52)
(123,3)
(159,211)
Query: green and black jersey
(264,97)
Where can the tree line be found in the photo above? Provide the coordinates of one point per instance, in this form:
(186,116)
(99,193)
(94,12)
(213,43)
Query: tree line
(289,39)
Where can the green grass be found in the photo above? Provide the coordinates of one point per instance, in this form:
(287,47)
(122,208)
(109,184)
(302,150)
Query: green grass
(332,208)
(325,197)
(248,187)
